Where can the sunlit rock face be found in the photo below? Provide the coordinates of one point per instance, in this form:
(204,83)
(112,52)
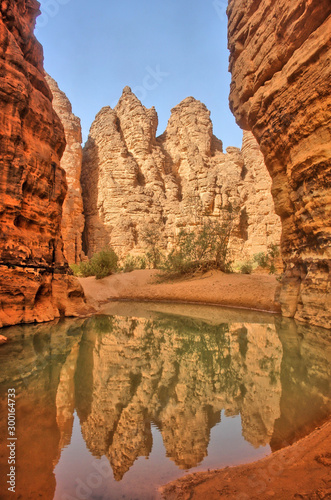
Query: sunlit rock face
(72,224)
(35,284)
(262,225)
(280,65)
(131,178)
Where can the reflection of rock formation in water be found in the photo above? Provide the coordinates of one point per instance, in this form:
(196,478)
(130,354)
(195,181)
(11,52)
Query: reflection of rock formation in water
(175,372)
(65,397)
(260,406)
(179,374)
(306,364)
(32,364)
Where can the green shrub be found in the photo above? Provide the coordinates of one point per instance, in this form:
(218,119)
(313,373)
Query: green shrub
(82,270)
(267,260)
(206,248)
(262,259)
(104,263)
(101,265)
(246,268)
(75,268)
(151,236)
(272,268)
(273,251)
(131,263)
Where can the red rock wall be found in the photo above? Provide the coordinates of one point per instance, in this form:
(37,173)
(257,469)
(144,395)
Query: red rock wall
(34,280)
(281,68)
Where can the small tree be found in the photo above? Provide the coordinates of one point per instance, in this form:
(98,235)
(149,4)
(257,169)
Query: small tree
(151,236)
(202,249)
(104,263)
(268,260)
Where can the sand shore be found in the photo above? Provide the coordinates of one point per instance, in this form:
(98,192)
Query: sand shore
(255,291)
(300,471)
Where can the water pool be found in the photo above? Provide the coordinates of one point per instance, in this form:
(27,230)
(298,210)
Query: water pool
(113,406)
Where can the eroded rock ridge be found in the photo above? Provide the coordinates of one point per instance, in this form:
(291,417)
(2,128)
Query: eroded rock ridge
(131,179)
(72,225)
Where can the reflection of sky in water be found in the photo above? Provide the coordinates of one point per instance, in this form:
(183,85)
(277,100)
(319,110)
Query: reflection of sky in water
(201,389)
(74,470)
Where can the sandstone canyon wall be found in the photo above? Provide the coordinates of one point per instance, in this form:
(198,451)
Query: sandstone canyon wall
(72,211)
(281,69)
(34,283)
(131,179)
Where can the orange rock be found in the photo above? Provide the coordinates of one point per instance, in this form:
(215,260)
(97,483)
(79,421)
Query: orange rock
(3,339)
(34,282)
(72,217)
(280,65)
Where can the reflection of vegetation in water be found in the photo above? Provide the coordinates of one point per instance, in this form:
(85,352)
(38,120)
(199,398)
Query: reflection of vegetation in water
(180,373)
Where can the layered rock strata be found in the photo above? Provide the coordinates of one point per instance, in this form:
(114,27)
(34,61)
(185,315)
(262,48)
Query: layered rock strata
(281,69)
(132,179)
(72,211)
(35,284)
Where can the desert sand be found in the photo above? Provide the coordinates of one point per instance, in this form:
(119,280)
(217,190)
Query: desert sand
(255,291)
(300,471)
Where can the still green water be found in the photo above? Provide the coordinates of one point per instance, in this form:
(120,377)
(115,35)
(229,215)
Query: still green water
(113,406)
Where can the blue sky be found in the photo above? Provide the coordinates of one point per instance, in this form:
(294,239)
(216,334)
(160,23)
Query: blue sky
(165,50)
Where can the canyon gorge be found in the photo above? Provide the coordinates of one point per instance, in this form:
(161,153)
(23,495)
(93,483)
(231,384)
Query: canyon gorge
(280,90)
(120,380)
(61,202)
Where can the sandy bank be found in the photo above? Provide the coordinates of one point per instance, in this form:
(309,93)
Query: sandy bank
(231,290)
(300,471)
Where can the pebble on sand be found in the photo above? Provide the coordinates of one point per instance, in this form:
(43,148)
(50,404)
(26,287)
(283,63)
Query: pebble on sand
(3,339)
